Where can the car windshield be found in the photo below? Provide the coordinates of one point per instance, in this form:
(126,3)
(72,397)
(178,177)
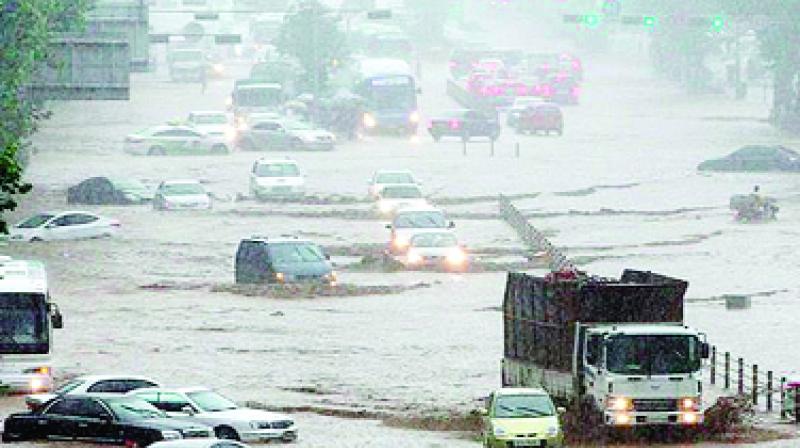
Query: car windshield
(420,220)
(210,119)
(35,221)
(182,189)
(394,178)
(277,170)
(297,125)
(258,96)
(652,354)
(133,409)
(523,406)
(128,185)
(187,56)
(401,193)
(210,401)
(523,102)
(68,387)
(295,253)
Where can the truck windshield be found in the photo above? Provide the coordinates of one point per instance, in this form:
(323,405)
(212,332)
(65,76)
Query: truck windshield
(523,406)
(652,354)
(23,323)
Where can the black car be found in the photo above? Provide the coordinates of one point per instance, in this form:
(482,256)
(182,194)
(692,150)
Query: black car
(465,123)
(282,260)
(756,158)
(109,191)
(105,419)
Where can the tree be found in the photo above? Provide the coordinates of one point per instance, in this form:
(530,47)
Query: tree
(25,30)
(311,36)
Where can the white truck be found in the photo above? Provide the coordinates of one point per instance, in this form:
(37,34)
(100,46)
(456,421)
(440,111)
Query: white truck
(617,348)
(27,317)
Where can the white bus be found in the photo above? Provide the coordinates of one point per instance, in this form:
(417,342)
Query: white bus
(27,317)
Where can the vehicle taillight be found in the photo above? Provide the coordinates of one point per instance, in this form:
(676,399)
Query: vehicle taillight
(576,65)
(522,90)
(576,91)
(454,124)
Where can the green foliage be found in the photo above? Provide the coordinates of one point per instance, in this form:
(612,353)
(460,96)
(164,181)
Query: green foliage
(311,36)
(25,29)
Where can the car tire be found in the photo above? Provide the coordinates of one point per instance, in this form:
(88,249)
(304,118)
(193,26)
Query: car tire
(156,151)
(219,149)
(226,433)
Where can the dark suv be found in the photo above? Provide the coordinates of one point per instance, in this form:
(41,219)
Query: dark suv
(282,260)
(465,123)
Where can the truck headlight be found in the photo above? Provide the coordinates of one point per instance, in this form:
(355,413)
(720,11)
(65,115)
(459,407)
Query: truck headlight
(689,404)
(620,403)
(369,121)
(218,69)
(171,435)
(230,133)
(280,277)
(552,431)
(456,257)
(499,432)
(413,117)
(400,242)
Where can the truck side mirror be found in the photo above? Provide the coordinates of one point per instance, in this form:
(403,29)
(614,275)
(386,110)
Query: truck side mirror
(705,350)
(56,319)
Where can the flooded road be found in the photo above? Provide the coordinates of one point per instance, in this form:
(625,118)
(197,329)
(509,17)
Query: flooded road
(618,190)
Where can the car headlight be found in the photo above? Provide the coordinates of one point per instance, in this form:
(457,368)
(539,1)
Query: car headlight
(413,257)
(620,403)
(331,278)
(228,101)
(171,435)
(414,117)
(384,207)
(280,277)
(552,431)
(43,370)
(369,121)
(499,432)
(230,133)
(400,242)
(456,257)
(218,68)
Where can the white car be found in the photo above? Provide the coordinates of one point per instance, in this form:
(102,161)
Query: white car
(276,178)
(114,384)
(229,420)
(382,178)
(174,140)
(215,123)
(392,197)
(70,225)
(435,248)
(199,443)
(181,195)
(409,221)
(281,133)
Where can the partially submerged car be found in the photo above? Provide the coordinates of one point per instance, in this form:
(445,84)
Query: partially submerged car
(174,140)
(276,178)
(282,260)
(754,208)
(70,225)
(437,249)
(218,124)
(181,195)
(87,384)
(228,419)
(756,158)
(409,221)
(381,178)
(546,117)
(284,134)
(102,190)
(392,197)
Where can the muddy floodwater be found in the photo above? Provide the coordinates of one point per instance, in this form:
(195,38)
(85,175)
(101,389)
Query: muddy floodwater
(618,190)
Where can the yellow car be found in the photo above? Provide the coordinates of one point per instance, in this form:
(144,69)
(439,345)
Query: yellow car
(517,417)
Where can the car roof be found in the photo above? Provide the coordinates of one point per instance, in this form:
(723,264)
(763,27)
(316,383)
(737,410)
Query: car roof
(183,390)
(428,231)
(268,161)
(277,240)
(418,208)
(167,127)
(393,172)
(103,377)
(182,181)
(520,391)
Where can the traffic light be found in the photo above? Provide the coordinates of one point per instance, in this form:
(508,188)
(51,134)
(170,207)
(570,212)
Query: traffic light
(649,21)
(717,23)
(591,20)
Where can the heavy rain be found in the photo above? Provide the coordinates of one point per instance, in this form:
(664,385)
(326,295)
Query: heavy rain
(399,223)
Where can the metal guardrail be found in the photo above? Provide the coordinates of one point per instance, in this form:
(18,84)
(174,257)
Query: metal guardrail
(532,237)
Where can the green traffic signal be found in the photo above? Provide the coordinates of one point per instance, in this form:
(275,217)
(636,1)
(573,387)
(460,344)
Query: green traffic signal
(649,21)
(717,23)
(591,20)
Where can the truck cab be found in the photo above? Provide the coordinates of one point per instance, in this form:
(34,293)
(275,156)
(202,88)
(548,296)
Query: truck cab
(642,374)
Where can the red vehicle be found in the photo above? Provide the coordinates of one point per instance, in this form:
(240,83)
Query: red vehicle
(545,117)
